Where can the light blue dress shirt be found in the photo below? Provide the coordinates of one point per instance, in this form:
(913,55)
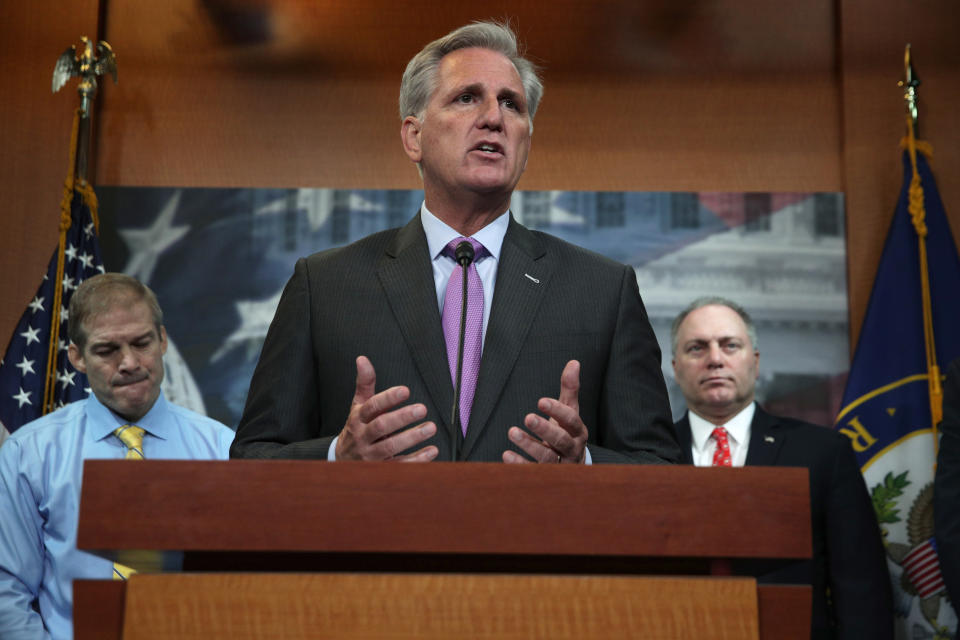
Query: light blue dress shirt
(41,466)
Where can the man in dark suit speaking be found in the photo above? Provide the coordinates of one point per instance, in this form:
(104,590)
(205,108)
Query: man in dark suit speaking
(362,359)
(715,359)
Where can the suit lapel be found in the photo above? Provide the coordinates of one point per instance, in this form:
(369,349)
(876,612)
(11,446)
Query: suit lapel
(407,278)
(765,440)
(523,276)
(685,438)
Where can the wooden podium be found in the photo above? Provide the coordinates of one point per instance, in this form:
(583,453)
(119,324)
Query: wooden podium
(304,549)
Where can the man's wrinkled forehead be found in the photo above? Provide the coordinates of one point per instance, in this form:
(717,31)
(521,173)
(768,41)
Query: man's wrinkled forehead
(108,336)
(104,308)
(712,322)
(458,66)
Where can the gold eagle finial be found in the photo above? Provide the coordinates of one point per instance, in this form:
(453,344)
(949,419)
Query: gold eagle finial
(87,67)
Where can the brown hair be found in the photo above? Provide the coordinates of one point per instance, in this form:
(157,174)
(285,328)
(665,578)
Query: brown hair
(103,292)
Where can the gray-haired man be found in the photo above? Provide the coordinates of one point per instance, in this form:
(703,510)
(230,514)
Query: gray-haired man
(550,316)
(716,360)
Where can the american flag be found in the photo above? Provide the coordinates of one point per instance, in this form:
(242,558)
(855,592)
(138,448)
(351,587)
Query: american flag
(923,569)
(23,371)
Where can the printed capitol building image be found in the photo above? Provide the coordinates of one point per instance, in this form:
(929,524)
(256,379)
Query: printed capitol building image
(781,254)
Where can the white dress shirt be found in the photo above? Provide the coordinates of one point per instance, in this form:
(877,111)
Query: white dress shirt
(703,445)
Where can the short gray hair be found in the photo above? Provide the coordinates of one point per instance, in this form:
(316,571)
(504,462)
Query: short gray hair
(420,78)
(706,301)
(100,294)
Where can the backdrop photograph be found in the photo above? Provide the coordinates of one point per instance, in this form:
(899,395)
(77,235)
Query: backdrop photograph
(219,259)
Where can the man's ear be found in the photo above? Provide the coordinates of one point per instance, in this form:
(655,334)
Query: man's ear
(163,340)
(410,137)
(76,358)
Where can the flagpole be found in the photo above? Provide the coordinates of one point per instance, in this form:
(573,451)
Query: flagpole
(87,67)
(50,379)
(918,216)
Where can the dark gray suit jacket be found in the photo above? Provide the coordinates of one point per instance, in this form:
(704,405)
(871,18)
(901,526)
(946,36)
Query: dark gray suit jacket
(553,302)
(848,555)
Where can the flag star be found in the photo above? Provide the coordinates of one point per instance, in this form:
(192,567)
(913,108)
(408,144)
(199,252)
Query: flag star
(37,304)
(70,252)
(25,366)
(66,377)
(31,335)
(255,318)
(22,398)
(146,245)
(101,269)
(64,313)
(88,230)
(62,344)
(87,260)
(68,283)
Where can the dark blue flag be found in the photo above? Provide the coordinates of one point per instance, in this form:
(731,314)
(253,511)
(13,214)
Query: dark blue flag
(23,371)
(892,397)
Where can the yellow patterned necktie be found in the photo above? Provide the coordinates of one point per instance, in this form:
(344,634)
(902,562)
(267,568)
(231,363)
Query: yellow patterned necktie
(132,438)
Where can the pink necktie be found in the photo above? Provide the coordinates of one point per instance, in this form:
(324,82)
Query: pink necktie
(473,327)
(721,456)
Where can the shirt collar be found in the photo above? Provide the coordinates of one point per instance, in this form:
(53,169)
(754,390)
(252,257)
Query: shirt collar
(439,233)
(103,421)
(738,427)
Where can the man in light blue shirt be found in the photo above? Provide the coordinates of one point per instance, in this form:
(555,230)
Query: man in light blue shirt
(118,340)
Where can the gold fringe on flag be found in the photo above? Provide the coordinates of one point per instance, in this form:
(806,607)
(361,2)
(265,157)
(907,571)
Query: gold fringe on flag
(90,199)
(918,215)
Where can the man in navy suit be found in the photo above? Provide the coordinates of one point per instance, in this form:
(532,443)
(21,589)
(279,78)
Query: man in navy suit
(715,361)
(355,365)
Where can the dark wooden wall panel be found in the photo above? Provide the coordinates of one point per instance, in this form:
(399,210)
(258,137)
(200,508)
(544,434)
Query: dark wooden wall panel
(645,97)
(35,133)
(35,130)
(874,36)
(726,95)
